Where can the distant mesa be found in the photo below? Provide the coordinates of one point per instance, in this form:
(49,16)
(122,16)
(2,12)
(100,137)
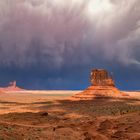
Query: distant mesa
(102,85)
(12,87)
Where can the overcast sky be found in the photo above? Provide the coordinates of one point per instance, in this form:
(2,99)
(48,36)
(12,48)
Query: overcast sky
(54,44)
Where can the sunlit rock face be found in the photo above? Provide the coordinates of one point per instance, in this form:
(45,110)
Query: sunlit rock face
(102,85)
(100,77)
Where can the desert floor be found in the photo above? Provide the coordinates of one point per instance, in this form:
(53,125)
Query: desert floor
(53,115)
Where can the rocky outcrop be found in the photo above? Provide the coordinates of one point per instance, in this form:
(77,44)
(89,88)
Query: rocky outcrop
(100,77)
(12,87)
(102,85)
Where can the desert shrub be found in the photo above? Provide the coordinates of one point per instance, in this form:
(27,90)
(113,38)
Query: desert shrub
(115,109)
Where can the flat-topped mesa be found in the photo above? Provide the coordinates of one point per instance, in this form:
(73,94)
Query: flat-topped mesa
(102,85)
(100,77)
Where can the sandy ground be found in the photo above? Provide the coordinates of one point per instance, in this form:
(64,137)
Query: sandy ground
(21,101)
(53,115)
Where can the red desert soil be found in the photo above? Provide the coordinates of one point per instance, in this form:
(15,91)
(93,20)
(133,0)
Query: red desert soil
(53,115)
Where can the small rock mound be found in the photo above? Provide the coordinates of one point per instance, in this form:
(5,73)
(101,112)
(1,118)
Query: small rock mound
(119,135)
(107,124)
(44,114)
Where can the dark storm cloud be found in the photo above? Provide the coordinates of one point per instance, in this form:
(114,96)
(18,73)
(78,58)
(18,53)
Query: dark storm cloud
(39,32)
(33,31)
(59,37)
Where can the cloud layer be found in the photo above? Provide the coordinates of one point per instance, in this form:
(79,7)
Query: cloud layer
(60,34)
(44,31)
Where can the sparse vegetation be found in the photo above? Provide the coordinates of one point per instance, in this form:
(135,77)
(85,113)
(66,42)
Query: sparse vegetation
(69,119)
(115,109)
(1,138)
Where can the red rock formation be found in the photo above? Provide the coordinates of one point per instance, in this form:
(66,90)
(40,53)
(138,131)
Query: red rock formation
(12,87)
(102,85)
(101,77)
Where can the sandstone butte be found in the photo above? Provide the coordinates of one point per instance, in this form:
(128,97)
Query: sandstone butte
(12,87)
(102,85)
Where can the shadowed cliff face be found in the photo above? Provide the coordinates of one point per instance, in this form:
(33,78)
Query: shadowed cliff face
(56,37)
